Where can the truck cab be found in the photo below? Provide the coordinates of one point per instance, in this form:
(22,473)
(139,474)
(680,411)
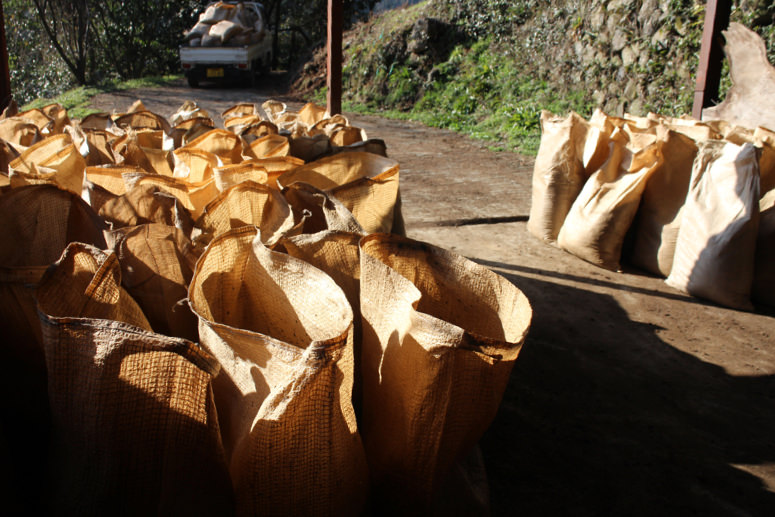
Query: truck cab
(231,42)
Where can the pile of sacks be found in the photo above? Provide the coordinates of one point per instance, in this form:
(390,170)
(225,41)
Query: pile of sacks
(225,24)
(228,321)
(688,200)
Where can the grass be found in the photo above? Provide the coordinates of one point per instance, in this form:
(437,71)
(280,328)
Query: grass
(76,101)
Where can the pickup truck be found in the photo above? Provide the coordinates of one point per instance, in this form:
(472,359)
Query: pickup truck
(243,61)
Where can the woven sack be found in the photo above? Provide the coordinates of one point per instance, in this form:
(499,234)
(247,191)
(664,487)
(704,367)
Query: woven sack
(194,165)
(440,337)
(349,135)
(248,204)
(284,390)
(659,214)
(134,425)
(230,175)
(237,123)
(254,131)
(100,149)
(225,30)
(315,211)
(366,184)
(714,256)
(238,110)
(39,221)
(145,204)
(189,130)
(310,114)
(40,119)
(58,114)
(225,144)
(309,148)
(372,145)
(142,120)
(157,263)
(111,177)
(271,145)
(763,289)
(21,133)
(187,111)
(53,160)
(193,196)
(599,218)
(558,175)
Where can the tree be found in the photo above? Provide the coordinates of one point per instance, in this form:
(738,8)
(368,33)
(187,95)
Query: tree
(66,23)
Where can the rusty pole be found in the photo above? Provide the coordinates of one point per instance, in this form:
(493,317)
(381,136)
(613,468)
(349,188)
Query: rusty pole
(5,72)
(711,55)
(334,60)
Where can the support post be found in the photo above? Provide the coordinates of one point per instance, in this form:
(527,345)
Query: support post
(334,59)
(711,55)
(5,72)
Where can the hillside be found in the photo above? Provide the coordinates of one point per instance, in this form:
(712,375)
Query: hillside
(488,67)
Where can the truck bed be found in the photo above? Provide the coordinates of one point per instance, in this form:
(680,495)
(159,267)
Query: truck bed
(220,55)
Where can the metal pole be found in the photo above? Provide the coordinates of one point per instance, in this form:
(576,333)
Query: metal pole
(5,72)
(711,55)
(334,60)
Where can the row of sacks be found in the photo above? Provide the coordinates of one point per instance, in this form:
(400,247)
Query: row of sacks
(113,159)
(223,24)
(331,373)
(687,200)
(314,370)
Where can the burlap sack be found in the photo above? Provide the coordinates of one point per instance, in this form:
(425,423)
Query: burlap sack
(53,160)
(189,130)
(558,175)
(268,146)
(225,144)
(111,177)
(253,132)
(714,257)
(157,263)
(284,390)
(315,211)
(21,133)
(58,114)
(194,165)
(146,204)
(366,184)
(659,214)
(599,218)
(440,337)
(150,158)
(309,148)
(38,222)
(134,425)
(188,110)
(102,121)
(41,120)
(238,110)
(193,196)
(142,120)
(763,289)
(100,145)
(230,175)
(7,155)
(237,123)
(347,136)
(310,114)
(225,30)
(248,204)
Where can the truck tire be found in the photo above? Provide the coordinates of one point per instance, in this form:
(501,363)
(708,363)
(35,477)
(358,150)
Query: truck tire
(193,82)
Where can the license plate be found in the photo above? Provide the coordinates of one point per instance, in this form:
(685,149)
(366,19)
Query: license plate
(215,72)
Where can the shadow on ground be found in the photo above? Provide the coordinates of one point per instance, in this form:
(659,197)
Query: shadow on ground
(601,417)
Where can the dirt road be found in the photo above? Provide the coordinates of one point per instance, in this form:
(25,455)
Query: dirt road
(629,397)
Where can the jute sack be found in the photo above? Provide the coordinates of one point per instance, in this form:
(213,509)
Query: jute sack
(193,196)
(225,144)
(270,145)
(53,160)
(558,175)
(310,114)
(189,130)
(194,165)
(366,184)
(38,221)
(237,123)
(763,290)
(142,120)
(248,204)
(111,177)
(231,175)
(284,390)
(157,263)
(315,211)
(42,121)
(372,145)
(659,214)
(187,111)
(135,429)
(238,110)
(599,218)
(147,204)
(440,337)
(714,256)
(21,133)
(309,148)
(253,132)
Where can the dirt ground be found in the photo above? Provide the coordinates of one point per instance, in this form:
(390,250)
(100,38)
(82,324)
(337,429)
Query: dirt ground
(629,397)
